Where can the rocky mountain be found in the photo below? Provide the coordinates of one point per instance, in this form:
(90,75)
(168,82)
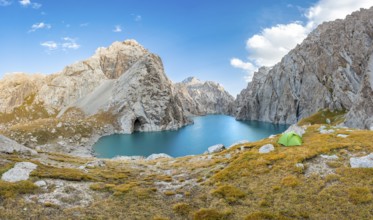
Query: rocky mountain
(124,79)
(332,68)
(201,98)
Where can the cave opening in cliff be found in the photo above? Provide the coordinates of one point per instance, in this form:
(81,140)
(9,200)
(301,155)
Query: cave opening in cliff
(138,123)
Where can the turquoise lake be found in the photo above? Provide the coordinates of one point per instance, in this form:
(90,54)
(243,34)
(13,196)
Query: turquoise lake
(190,140)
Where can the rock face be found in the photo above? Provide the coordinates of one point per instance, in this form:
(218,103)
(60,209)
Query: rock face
(9,146)
(201,98)
(124,79)
(16,87)
(332,68)
(20,171)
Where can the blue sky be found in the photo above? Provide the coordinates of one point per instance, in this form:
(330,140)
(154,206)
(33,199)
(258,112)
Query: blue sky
(210,39)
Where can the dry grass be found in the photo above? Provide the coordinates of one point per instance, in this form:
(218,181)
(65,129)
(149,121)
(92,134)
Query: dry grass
(321,117)
(247,186)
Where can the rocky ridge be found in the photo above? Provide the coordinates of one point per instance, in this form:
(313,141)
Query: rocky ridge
(331,68)
(201,98)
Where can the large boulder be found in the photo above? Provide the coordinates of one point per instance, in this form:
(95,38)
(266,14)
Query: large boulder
(20,171)
(362,162)
(215,148)
(158,156)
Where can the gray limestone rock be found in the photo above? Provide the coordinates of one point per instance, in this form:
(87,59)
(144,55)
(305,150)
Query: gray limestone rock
(362,162)
(157,156)
(266,148)
(201,98)
(20,171)
(215,148)
(332,68)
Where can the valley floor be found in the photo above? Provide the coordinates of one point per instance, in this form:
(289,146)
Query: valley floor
(312,181)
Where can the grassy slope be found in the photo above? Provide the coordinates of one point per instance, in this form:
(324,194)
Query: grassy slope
(247,185)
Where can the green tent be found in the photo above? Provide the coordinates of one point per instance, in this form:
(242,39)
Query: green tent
(290,139)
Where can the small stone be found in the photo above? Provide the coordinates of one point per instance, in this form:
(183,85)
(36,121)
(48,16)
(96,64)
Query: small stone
(342,135)
(328,121)
(41,183)
(272,136)
(228,156)
(95,163)
(330,131)
(238,143)
(59,125)
(266,149)
(329,157)
(362,162)
(299,165)
(216,148)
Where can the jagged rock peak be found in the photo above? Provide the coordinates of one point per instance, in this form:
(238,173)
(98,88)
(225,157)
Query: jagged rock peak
(200,98)
(131,45)
(191,80)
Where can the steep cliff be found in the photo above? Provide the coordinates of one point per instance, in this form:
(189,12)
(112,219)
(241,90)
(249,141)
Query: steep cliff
(331,69)
(201,98)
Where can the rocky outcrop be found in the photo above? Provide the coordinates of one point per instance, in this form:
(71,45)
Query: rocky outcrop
(16,87)
(332,68)
(9,146)
(201,98)
(124,79)
(142,98)
(80,79)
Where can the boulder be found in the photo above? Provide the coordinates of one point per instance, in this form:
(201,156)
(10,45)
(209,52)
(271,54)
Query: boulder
(238,143)
(41,183)
(296,129)
(20,171)
(215,149)
(266,148)
(362,162)
(95,163)
(342,135)
(9,146)
(158,156)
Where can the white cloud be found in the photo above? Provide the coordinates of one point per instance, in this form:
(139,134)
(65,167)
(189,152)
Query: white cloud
(36,5)
(27,3)
(138,18)
(5,2)
(69,43)
(117,29)
(50,45)
(40,25)
(268,47)
(66,44)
